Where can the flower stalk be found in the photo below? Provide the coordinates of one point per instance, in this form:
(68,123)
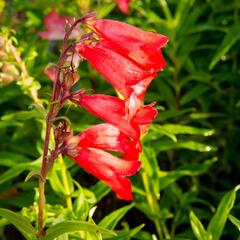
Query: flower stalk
(47,161)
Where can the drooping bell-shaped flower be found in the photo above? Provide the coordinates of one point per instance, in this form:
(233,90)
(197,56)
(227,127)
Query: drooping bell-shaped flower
(113,110)
(89,148)
(141,47)
(110,109)
(119,71)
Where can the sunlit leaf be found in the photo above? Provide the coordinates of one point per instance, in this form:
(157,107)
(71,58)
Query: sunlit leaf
(187,144)
(73,226)
(217,223)
(232,36)
(197,227)
(234,221)
(20,222)
(126,234)
(112,219)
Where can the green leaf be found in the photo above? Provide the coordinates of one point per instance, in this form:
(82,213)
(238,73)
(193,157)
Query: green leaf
(200,76)
(183,129)
(20,222)
(195,169)
(104,9)
(194,93)
(18,169)
(100,189)
(217,223)
(34,174)
(81,206)
(206,115)
(73,226)
(144,235)
(111,220)
(234,221)
(93,235)
(10,159)
(165,115)
(21,115)
(126,234)
(60,178)
(191,145)
(162,131)
(197,227)
(163,214)
(232,36)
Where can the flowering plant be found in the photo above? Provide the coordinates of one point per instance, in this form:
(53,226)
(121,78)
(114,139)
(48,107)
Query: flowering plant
(129,68)
(100,142)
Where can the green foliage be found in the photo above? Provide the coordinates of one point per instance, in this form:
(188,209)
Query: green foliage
(20,222)
(190,158)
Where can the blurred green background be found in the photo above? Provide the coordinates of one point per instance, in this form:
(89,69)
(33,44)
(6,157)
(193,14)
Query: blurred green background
(191,155)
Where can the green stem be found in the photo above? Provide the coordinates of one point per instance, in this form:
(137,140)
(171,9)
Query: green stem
(152,203)
(65,182)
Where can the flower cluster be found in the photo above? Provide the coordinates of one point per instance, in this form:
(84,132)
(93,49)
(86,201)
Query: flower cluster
(128,58)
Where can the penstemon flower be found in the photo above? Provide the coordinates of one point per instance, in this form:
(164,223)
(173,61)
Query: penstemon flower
(89,148)
(142,48)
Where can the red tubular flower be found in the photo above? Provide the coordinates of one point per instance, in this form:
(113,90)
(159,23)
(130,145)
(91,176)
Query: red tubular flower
(87,149)
(121,73)
(55,26)
(110,109)
(143,48)
(108,137)
(113,110)
(123,5)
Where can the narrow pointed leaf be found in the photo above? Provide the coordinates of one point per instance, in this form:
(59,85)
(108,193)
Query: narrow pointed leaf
(217,223)
(197,227)
(232,36)
(73,226)
(234,221)
(111,220)
(20,222)
(126,234)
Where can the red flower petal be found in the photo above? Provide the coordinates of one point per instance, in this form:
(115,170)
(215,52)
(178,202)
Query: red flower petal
(111,109)
(119,71)
(121,186)
(104,165)
(145,114)
(55,26)
(135,100)
(144,48)
(107,137)
(123,5)
(109,169)
(51,72)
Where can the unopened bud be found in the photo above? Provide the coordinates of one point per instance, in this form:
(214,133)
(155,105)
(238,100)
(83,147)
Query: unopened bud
(71,79)
(61,132)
